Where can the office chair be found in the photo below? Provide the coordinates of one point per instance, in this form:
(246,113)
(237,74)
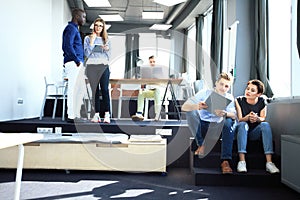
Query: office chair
(127,92)
(198,85)
(63,86)
(146,107)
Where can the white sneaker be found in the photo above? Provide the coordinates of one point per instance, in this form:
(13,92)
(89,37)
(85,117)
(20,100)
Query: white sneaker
(271,168)
(96,118)
(241,166)
(106,118)
(137,117)
(157,117)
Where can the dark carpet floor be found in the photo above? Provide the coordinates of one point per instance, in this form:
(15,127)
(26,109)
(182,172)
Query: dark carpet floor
(177,184)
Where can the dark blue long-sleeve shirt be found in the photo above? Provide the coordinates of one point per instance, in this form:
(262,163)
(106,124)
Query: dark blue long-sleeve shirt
(72,44)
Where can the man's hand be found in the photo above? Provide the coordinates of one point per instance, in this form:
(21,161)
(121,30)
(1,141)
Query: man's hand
(92,38)
(221,113)
(78,64)
(202,105)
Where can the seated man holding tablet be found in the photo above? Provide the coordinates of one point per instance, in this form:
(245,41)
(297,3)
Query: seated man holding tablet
(209,114)
(151,91)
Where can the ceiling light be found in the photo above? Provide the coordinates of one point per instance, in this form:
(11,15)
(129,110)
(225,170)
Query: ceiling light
(97,3)
(107,26)
(153,15)
(169,2)
(162,27)
(111,18)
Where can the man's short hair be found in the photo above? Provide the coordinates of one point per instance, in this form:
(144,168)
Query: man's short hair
(225,76)
(77,11)
(151,57)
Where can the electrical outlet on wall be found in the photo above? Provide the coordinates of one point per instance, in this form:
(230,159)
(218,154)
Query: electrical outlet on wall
(163,132)
(20,101)
(44,130)
(58,129)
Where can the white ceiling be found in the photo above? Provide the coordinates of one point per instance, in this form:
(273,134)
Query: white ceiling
(131,11)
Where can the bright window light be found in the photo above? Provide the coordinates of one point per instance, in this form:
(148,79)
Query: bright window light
(97,3)
(169,2)
(111,18)
(279,60)
(107,26)
(161,27)
(153,15)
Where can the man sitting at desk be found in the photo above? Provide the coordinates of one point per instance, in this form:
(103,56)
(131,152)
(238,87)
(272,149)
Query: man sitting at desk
(150,91)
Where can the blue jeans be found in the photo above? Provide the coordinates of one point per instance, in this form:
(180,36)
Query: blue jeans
(199,129)
(262,131)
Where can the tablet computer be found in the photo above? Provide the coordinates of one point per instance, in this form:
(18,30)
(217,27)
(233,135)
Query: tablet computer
(97,48)
(216,101)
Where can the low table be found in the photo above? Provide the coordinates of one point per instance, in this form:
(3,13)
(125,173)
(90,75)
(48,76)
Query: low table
(91,151)
(11,140)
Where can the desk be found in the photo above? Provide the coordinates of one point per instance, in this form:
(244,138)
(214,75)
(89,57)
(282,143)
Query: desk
(168,82)
(14,139)
(145,81)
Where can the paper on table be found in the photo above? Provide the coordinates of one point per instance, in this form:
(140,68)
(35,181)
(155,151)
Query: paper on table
(216,101)
(145,138)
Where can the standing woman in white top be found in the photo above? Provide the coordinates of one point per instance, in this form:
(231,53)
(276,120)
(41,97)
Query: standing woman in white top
(97,52)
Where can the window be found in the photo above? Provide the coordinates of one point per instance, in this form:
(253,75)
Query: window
(191,53)
(280,47)
(206,34)
(283,56)
(150,44)
(153,44)
(117,62)
(191,48)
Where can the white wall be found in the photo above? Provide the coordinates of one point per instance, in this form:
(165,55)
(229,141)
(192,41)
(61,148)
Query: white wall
(31,48)
(60,16)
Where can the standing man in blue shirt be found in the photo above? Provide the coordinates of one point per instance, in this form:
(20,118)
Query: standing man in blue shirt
(200,120)
(73,62)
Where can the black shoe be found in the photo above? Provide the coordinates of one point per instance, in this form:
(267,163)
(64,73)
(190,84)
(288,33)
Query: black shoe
(79,120)
(137,117)
(70,120)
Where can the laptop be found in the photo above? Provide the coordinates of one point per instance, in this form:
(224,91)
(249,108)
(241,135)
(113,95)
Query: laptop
(156,72)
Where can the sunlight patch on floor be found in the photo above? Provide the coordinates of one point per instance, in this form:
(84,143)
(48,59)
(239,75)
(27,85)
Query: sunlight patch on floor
(132,193)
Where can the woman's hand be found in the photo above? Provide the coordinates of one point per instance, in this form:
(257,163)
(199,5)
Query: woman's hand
(253,117)
(92,38)
(105,47)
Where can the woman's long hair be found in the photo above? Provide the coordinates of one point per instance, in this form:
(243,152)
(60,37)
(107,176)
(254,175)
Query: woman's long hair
(103,33)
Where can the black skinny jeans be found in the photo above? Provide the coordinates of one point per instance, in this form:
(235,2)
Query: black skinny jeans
(99,74)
